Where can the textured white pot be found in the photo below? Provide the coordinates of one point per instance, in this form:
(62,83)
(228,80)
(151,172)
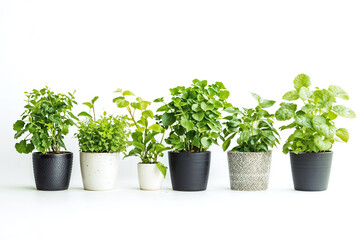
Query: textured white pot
(99,170)
(150,177)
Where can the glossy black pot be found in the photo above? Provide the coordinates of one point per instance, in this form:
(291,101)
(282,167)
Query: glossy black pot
(311,171)
(189,171)
(52,171)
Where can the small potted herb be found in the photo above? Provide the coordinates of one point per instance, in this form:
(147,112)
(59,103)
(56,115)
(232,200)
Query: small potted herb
(193,118)
(45,122)
(151,172)
(101,141)
(314,131)
(250,160)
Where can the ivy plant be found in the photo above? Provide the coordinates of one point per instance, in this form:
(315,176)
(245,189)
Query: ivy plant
(313,121)
(193,115)
(144,141)
(45,121)
(108,134)
(254,126)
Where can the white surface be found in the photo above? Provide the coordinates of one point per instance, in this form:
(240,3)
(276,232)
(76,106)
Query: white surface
(150,177)
(149,47)
(99,171)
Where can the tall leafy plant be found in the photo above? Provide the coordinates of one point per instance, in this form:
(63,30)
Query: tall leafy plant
(193,115)
(146,146)
(314,121)
(253,126)
(45,121)
(108,134)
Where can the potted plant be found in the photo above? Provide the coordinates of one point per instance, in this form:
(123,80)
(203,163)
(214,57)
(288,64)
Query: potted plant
(45,122)
(101,141)
(314,131)
(250,160)
(151,172)
(193,118)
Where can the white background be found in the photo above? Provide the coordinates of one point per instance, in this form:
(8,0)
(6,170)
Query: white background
(149,47)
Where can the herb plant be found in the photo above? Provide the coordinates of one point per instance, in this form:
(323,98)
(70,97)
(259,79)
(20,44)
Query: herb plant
(46,120)
(108,134)
(146,146)
(254,126)
(193,115)
(313,123)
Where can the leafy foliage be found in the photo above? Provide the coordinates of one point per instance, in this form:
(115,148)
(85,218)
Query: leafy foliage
(146,147)
(46,120)
(313,123)
(108,134)
(254,126)
(193,115)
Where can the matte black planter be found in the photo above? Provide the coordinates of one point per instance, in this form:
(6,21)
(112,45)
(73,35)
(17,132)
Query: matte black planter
(311,171)
(189,171)
(52,171)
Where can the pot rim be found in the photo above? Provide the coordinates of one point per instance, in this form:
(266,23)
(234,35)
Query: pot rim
(142,163)
(173,152)
(304,153)
(229,151)
(52,153)
(100,152)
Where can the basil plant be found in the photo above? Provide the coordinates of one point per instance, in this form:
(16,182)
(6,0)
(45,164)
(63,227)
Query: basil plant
(314,121)
(146,146)
(193,115)
(253,126)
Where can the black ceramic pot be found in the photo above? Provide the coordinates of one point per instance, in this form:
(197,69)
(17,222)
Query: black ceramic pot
(311,171)
(189,171)
(52,171)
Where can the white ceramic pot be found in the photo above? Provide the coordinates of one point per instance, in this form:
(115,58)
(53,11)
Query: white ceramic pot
(150,177)
(99,170)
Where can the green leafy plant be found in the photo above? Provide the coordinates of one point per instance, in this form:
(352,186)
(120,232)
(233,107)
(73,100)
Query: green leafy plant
(313,123)
(193,115)
(254,126)
(46,120)
(146,146)
(108,134)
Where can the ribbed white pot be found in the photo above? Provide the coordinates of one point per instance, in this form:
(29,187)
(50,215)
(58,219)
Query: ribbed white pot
(150,177)
(99,170)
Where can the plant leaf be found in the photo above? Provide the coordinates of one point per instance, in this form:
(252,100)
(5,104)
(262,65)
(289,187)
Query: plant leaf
(343,134)
(301,80)
(344,111)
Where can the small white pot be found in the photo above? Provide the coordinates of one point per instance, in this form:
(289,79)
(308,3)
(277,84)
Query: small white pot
(150,177)
(99,170)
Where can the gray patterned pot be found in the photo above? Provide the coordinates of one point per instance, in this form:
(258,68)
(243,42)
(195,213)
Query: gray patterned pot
(249,171)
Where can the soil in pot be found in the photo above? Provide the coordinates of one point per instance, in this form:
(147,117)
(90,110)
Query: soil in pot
(150,177)
(189,171)
(249,171)
(52,171)
(311,171)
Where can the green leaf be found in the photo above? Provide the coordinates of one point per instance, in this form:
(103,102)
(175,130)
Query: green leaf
(168,119)
(162,168)
(148,114)
(128,93)
(55,119)
(205,142)
(94,100)
(188,125)
(320,125)
(18,125)
(21,146)
(206,106)
(286,111)
(159,100)
(338,92)
(119,90)
(121,103)
(344,111)
(88,104)
(155,127)
(305,93)
(291,95)
(324,98)
(267,103)
(308,108)
(85,114)
(257,97)
(163,108)
(224,94)
(227,142)
(220,85)
(303,120)
(198,116)
(343,134)
(301,80)
(322,144)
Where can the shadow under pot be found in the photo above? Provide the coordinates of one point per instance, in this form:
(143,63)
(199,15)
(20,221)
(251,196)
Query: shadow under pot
(311,171)
(249,171)
(150,177)
(189,170)
(52,171)
(99,171)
